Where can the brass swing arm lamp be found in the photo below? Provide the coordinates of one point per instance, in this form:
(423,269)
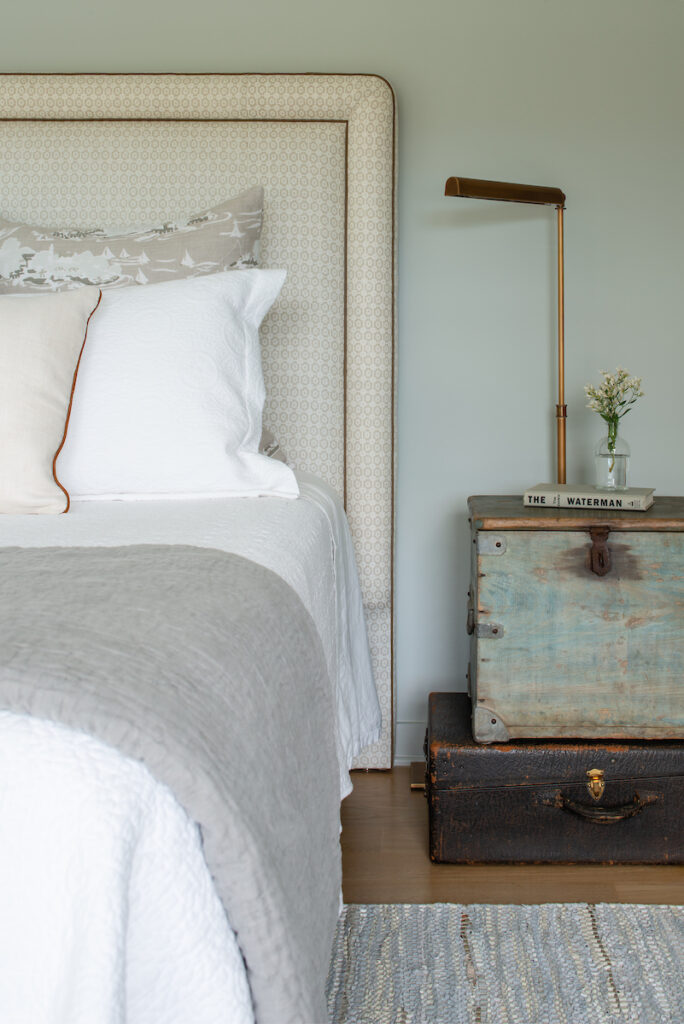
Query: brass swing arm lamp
(539,195)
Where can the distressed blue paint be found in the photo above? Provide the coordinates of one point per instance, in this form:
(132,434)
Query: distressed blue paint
(582,655)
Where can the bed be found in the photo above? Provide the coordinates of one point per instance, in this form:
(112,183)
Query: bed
(196,815)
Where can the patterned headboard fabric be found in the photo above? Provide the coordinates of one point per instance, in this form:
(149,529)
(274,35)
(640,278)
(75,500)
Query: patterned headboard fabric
(118,150)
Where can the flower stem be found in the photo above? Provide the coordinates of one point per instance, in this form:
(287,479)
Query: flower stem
(612,440)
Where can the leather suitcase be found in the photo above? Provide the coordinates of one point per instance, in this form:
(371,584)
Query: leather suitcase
(531,801)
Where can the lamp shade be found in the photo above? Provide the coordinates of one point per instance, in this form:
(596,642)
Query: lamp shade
(508,192)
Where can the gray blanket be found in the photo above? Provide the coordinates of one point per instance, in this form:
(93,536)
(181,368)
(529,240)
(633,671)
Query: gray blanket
(208,668)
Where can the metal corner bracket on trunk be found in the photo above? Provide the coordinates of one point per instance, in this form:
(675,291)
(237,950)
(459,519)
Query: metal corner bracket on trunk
(487,726)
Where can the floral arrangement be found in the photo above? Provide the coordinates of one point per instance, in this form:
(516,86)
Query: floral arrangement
(613,399)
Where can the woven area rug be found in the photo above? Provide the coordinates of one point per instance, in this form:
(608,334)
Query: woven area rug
(556,963)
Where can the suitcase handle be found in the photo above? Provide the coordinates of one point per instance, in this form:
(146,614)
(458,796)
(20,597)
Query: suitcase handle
(604,815)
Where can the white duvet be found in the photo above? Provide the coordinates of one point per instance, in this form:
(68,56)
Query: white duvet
(107,909)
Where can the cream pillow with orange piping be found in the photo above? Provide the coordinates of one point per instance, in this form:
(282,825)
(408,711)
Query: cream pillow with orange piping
(41,340)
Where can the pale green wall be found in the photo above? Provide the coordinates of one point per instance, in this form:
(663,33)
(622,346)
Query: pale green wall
(582,94)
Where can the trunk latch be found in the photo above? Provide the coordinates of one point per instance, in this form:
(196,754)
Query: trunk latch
(600,552)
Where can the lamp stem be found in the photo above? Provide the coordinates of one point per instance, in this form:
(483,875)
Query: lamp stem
(561,408)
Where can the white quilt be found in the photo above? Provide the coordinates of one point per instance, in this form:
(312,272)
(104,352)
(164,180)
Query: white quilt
(108,912)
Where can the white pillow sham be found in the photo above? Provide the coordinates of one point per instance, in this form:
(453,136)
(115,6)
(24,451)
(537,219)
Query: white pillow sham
(41,341)
(170,393)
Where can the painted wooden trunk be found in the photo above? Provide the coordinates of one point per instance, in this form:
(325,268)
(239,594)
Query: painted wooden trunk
(576,621)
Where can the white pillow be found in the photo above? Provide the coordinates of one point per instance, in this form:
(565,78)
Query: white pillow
(170,393)
(41,340)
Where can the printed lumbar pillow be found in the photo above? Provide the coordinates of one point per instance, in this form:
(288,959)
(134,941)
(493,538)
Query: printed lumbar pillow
(43,259)
(41,340)
(170,393)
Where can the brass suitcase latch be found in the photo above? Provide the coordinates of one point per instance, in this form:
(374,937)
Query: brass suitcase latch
(596,783)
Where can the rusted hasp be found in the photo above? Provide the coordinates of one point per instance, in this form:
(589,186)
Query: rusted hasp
(600,552)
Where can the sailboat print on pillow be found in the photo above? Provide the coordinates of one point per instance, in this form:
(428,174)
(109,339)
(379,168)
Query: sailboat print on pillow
(225,237)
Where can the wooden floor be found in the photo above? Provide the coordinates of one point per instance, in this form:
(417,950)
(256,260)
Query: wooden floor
(385,860)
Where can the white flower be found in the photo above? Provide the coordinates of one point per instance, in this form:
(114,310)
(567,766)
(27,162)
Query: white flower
(615,396)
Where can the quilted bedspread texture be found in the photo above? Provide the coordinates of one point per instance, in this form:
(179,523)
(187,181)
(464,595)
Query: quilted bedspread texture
(206,671)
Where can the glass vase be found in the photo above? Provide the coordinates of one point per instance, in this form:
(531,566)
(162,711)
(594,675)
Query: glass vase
(611,457)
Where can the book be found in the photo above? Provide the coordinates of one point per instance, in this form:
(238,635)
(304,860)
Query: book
(633,499)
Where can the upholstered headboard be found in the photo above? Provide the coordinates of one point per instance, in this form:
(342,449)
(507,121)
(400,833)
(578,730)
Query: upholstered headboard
(117,150)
